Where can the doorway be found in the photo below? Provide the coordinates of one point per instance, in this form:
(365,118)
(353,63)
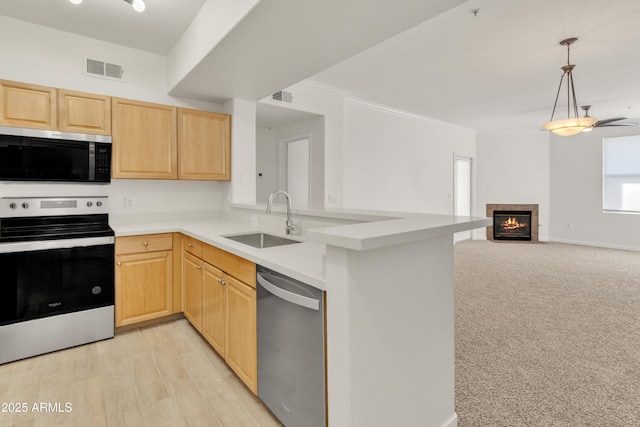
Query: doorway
(278,131)
(462,192)
(295,176)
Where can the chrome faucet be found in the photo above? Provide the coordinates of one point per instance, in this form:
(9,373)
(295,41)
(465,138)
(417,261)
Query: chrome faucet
(290,227)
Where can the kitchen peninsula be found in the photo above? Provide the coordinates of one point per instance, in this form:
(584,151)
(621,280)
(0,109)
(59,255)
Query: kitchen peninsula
(388,279)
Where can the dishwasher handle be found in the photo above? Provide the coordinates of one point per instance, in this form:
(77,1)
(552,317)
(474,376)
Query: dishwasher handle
(289,296)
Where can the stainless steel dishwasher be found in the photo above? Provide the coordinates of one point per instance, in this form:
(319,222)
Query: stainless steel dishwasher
(291,366)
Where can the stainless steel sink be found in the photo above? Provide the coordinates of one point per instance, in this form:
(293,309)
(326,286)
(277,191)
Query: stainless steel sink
(261,240)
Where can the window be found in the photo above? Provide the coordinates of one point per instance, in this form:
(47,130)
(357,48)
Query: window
(621,174)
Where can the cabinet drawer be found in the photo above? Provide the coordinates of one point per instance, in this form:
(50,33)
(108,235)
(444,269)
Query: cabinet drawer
(144,243)
(191,245)
(231,264)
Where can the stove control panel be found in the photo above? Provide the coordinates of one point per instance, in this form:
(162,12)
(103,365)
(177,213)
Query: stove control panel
(50,206)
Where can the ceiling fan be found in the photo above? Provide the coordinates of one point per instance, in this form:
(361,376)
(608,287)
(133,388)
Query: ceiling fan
(605,122)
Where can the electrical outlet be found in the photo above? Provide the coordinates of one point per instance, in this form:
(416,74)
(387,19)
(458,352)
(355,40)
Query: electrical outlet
(254,220)
(129,202)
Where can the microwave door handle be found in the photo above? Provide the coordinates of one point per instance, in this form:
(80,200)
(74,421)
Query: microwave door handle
(288,296)
(92,161)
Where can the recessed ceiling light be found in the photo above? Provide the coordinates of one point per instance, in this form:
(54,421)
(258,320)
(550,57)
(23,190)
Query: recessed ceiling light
(138,5)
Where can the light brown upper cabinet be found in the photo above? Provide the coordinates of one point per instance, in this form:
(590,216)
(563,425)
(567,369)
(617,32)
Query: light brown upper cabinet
(84,112)
(204,145)
(27,105)
(144,140)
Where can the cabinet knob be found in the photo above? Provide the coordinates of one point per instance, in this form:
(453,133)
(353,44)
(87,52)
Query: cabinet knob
(146,243)
(189,245)
(198,267)
(118,263)
(222,282)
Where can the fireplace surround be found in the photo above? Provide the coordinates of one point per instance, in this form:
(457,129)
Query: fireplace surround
(513,222)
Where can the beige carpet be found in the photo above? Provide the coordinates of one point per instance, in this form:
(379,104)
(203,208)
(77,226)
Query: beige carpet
(547,335)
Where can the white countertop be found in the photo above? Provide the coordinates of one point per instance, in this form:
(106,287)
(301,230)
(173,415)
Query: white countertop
(302,261)
(372,235)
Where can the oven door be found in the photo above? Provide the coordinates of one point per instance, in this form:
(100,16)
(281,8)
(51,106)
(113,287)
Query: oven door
(41,279)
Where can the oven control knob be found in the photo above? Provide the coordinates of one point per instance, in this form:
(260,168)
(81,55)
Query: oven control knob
(89,204)
(98,203)
(25,205)
(13,206)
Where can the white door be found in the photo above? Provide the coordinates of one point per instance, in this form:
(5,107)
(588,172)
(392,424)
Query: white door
(297,153)
(462,192)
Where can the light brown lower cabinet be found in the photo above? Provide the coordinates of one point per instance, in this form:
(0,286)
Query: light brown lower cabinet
(143,278)
(193,290)
(241,338)
(223,308)
(214,326)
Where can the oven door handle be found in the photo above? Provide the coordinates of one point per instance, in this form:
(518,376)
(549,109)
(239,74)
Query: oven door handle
(42,245)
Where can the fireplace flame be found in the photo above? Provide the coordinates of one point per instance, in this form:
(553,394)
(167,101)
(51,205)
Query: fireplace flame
(512,224)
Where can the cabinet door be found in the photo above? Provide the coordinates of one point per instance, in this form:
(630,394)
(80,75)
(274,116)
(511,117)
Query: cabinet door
(84,112)
(193,290)
(26,105)
(215,308)
(204,145)
(241,342)
(144,140)
(143,287)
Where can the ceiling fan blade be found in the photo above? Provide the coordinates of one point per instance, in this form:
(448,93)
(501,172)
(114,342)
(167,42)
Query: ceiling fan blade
(615,124)
(606,121)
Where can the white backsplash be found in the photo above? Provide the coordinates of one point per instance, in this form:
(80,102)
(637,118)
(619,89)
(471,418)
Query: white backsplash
(129,196)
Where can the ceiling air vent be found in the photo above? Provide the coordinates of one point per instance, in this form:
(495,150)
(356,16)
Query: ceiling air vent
(283,96)
(96,68)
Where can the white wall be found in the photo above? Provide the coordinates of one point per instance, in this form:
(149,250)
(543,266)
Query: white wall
(311,98)
(242,188)
(513,167)
(266,163)
(40,55)
(213,22)
(576,193)
(398,161)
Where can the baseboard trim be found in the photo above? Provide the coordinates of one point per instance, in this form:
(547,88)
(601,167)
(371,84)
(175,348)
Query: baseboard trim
(451,422)
(150,322)
(595,244)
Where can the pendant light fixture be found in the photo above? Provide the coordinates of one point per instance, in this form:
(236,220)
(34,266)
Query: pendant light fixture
(571,125)
(138,5)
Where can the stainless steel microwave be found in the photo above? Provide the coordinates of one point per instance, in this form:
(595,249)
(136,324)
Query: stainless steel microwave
(44,155)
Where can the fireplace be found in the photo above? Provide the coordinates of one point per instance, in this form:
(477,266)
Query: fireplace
(513,222)
(512,225)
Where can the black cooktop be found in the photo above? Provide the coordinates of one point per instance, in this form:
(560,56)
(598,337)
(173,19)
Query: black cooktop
(54,227)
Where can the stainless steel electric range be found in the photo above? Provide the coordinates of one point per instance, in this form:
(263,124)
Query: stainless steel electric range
(56,274)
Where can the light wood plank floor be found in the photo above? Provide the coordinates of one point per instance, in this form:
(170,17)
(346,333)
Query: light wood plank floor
(160,375)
